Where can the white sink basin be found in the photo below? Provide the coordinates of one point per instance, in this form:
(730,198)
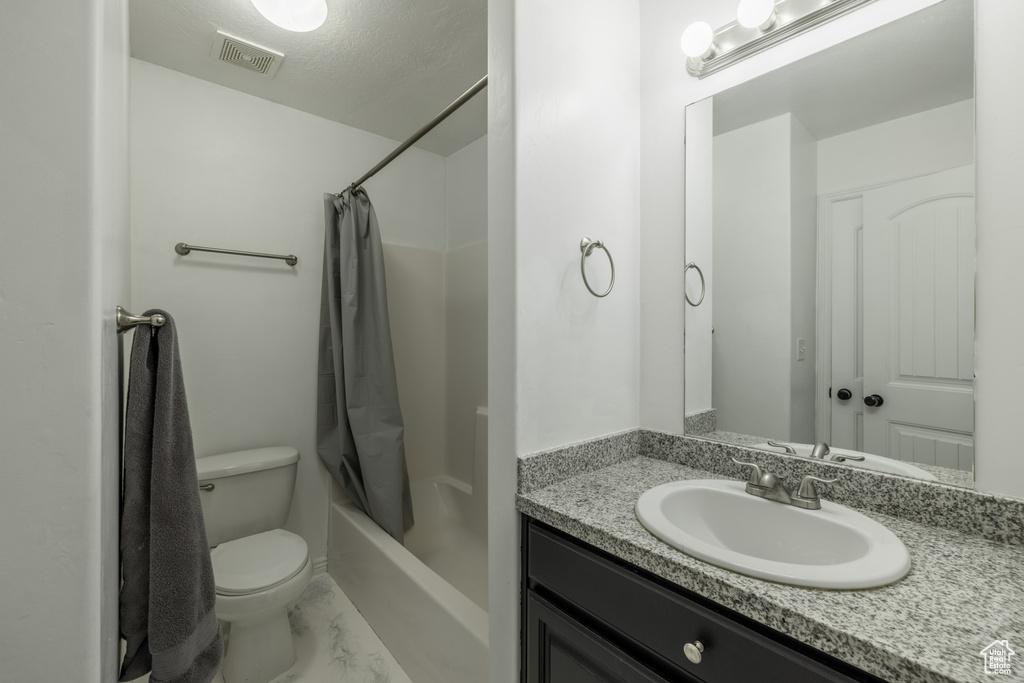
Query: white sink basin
(719,522)
(878,463)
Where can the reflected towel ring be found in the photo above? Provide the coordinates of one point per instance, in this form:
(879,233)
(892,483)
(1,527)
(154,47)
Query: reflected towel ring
(586,246)
(703,287)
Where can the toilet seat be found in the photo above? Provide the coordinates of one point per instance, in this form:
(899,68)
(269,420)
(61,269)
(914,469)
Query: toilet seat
(258,562)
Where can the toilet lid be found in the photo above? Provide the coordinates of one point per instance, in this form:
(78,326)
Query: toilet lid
(258,562)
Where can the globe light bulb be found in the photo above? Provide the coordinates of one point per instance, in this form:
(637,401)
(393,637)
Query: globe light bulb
(759,14)
(698,40)
(294,15)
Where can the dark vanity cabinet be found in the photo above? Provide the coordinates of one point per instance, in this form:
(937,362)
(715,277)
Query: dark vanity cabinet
(589,617)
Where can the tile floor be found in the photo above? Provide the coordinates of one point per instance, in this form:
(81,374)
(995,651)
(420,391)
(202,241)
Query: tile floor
(333,643)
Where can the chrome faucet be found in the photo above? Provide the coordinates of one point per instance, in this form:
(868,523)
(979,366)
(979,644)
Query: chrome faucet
(821,449)
(766,485)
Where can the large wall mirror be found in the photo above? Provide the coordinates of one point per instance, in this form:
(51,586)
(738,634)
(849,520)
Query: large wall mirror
(830,210)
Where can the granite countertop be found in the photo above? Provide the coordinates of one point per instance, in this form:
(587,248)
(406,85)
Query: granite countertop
(944,475)
(962,593)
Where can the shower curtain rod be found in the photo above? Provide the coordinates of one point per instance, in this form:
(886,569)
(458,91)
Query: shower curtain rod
(448,111)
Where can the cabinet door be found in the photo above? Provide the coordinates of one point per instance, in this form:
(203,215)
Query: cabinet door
(560,649)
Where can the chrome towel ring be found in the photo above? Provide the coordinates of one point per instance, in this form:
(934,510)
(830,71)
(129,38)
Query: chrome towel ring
(586,246)
(703,287)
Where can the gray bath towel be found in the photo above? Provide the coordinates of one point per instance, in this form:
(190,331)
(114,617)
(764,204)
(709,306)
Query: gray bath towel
(168,595)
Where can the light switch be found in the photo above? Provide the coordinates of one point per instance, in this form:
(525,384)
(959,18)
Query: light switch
(801,349)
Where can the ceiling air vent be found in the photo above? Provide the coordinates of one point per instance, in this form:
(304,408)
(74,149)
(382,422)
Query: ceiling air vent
(227,48)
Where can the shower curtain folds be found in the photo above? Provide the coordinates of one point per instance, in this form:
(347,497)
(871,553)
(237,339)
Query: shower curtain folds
(361,433)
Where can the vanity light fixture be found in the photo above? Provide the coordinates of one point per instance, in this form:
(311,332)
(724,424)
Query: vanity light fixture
(294,15)
(759,14)
(760,24)
(698,41)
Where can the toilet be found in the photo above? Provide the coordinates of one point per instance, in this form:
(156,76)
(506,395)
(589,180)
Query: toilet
(259,568)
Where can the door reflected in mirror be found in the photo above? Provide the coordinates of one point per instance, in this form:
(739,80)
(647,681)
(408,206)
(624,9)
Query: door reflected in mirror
(838,248)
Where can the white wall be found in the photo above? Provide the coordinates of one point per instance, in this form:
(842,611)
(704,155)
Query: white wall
(803,269)
(563,146)
(216,167)
(63,269)
(751,378)
(502,363)
(662,391)
(927,142)
(577,127)
(999,466)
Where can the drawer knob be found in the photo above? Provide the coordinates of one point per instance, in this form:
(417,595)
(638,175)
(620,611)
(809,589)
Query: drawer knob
(693,651)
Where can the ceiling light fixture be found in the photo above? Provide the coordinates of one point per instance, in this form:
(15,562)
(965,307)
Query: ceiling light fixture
(760,24)
(294,15)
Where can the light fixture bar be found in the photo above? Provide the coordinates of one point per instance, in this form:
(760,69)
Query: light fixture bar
(735,42)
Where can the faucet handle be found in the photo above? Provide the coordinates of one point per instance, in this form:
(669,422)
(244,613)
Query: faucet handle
(784,446)
(755,472)
(808,490)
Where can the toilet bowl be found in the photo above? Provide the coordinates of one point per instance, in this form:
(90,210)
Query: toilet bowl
(257,578)
(259,569)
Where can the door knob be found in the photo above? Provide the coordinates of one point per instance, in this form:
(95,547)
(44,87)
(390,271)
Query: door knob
(844,394)
(873,401)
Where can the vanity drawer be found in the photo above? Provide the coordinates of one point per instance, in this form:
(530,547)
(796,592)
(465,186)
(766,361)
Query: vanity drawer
(657,619)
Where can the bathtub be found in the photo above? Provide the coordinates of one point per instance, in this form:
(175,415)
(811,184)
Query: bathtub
(429,608)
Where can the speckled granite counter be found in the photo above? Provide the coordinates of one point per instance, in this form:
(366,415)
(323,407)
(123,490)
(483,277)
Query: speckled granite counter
(963,591)
(944,475)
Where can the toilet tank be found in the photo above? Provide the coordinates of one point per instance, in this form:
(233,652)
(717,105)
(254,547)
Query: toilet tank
(252,491)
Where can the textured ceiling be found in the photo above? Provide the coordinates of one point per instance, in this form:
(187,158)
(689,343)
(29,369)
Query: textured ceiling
(920,62)
(383,66)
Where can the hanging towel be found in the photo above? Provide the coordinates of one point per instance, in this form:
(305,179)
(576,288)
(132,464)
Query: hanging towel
(168,592)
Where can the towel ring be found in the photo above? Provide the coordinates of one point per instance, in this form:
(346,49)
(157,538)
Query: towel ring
(703,287)
(586,246)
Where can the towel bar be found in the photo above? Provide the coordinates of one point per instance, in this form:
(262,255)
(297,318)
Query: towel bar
(182,249)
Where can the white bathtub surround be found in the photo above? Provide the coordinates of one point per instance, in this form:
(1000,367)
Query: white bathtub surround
(435,632)
(416,306)
(465,299)
(449,537)
(427,600)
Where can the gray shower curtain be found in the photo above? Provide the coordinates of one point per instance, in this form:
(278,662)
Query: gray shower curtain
(361,433)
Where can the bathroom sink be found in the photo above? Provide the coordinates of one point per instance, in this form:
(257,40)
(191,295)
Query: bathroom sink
(718,522)
(878,463)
